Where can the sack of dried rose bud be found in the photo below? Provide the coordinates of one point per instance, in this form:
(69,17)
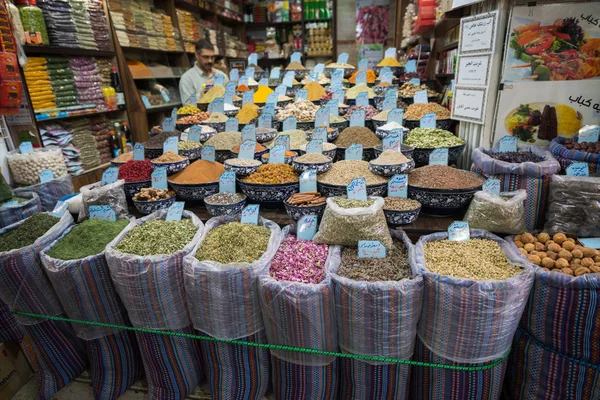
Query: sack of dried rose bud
(111,194)
(296,294)
(223,301)
(385,312)
(346,226)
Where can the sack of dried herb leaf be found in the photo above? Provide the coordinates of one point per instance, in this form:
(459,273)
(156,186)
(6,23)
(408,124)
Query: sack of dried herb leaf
(346,221)
(29,204)
(112,194)
(499,214)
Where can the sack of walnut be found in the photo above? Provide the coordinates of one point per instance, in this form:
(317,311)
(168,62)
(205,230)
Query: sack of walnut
(560,325)
(377,307)
(473,297)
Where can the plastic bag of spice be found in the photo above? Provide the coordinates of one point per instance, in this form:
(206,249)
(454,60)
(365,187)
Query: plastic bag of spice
(111,194)
(15,213)
(346,226)
(224,303)
(49,192)
(24,286)
(385,312)
(291,309)
(142,282)
(499,214)
(469,322)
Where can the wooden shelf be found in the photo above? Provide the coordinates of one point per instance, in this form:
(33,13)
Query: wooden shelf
(449,46)
(319,56)
(157,77)
(316,20)
(128,48)
(81,115)
(442,76)
(260,25)
(184,5)
(163,107)
(67,51)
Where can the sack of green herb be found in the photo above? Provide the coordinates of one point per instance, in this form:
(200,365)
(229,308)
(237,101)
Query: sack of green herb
(5,190)
(111,194)
(379,299)
(498,214)
(221,282)
(28,203)
(296,294)
(146,267)
(24,286)
(77,268)
(49,192)
(346,221)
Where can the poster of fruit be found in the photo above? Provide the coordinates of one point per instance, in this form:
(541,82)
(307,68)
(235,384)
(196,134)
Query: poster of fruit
(537,112)
(555,42)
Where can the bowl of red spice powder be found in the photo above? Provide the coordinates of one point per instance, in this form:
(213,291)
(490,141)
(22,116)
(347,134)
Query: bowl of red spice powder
(137,174)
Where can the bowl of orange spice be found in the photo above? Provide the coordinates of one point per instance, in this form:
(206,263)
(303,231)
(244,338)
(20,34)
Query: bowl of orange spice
(197,181)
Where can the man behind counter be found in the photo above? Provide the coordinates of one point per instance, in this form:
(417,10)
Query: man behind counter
(201,73)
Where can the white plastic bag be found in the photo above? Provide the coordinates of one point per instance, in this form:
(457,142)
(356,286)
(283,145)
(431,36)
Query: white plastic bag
(498,214)
(111,194)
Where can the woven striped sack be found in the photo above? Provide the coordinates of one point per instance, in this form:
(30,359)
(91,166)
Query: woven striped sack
(556,354)
(152,290)
(86,292)
(567,157)
(49,192)
(466,322)
(377,319)
(302,315)
(533,177)
(223,301)
(10,215)
(25,287)
(10,330)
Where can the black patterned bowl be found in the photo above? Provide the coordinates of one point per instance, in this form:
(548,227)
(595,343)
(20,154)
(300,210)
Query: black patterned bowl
(287,160)
(267,135)
(395,217)
(241,171)
(299,74)
(148,207)
(183,127)
(116,164)
(328,190)
(442,201)
(172,167)
(132,188)
(280,103)
(231,113)
(391,170)
(222,155)
(291,91)
(380,91)
(352,102)
(404,149)
(192,154)
(258,75)
(218,126)
(379,103)
(252,121)
(410,100)
(329,153)
(152,153)
(218,210)
(297,212)
(446,124)
(305,126)
(275,193)
(382,134)
(332,134)
(194,191)
(319,167)
(257,154)
(238,103)
(347,72)
(340,125)
(421,156)
(368,153)
(396,71)
(206,132)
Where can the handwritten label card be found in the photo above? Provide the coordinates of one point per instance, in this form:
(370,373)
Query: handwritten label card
(507,144)
(249,133)
(275,73)
(396,115)
(171,144)
(411,66)
(320,133)
(363,65)
(308,181)
(283,140)
(392,142)
(265,121)
(269,109)
(220,80)
(354,152)
(357,118)
(289,124)
(272,99)
(338,95)
(428,121)
(247,149)
(175,212)
(307,227)
(438,157)
(398,186)
(314,146)
(458,231)
(587,134)
(578,169)
(138,152)
(59,208)
(295,57)
(194,133)
(319,68)
(421,97)
(26,147)
(248,97)
(362,99)
(46,175)
(102,212)
(288,80)
(281,90)
(168,125)
(243,80)
(386,76)
(277,154)
(12,203)
(361,78)
(208,153)
(230,87)
(322,117)
(390,52)
(146,101)
(342,58)
(217,105)
(314,77)
(388,103)
(227,182)
(301,94)
(232,125)
(333,107)
(250,72)
(371,249)
(110,176)
(159,178)
(234,75)
(492,186)
(263,82)
(337,76)
(253,59)
(250,214)
(357,189)
(415,81)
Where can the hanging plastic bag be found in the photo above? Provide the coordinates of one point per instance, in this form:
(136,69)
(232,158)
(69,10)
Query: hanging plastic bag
(499,214)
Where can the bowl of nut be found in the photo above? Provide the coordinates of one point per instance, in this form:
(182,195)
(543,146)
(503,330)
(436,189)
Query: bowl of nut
(149,200)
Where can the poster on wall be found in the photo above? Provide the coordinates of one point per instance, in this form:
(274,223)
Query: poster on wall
(469,104)
(537,112)
(474,70)
(478,33)
(554,43)
(372,52)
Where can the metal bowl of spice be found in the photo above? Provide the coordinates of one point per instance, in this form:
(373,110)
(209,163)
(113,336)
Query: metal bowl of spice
(317,161)
(400,211)
(308,203)
(149,200)
(172,161)
(241,166)
(220,204)
(332,134)
(443,190)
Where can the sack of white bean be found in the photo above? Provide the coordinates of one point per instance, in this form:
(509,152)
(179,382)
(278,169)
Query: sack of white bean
(474,294)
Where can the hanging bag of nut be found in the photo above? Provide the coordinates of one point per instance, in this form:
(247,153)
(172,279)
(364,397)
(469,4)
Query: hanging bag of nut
(473,297)
(221,282)
(377,307)
(296,295)
(146,267)
(560,323)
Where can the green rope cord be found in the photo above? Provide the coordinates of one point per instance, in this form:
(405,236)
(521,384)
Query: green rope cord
(387,360)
